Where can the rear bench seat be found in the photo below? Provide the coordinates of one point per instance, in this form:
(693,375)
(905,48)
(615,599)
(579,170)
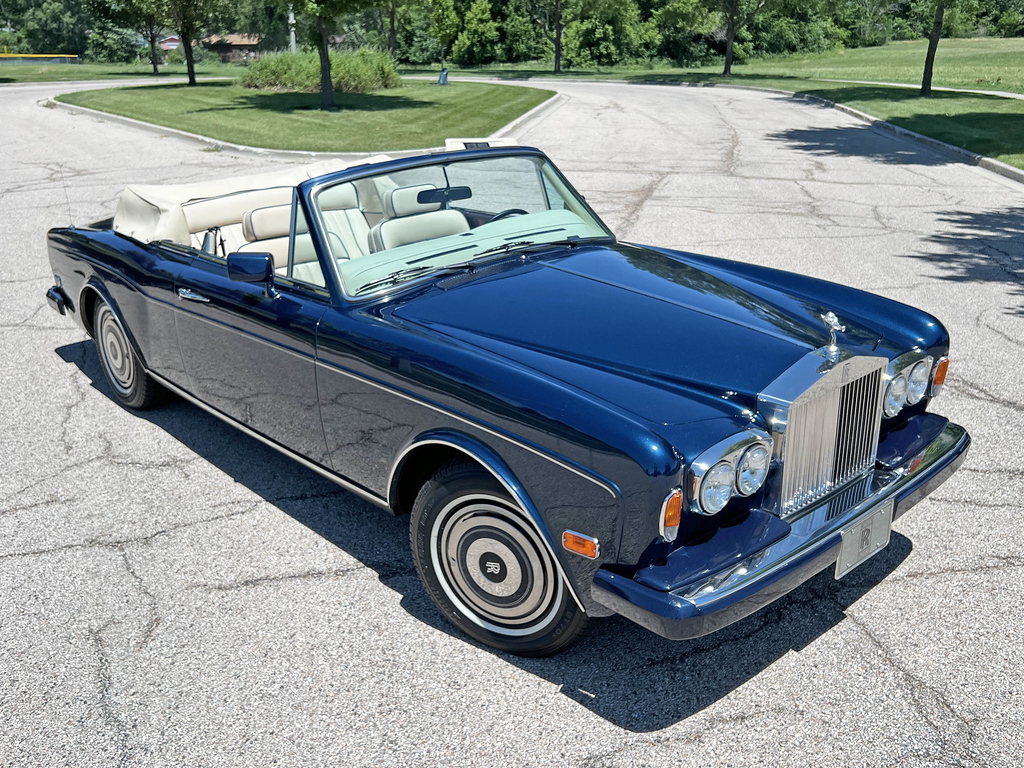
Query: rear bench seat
(226,212)
(267,230)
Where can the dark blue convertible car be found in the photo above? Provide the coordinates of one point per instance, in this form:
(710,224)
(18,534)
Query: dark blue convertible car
(576,426)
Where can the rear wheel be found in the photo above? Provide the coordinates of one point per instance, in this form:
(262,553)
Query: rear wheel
(486,567)
(132,385)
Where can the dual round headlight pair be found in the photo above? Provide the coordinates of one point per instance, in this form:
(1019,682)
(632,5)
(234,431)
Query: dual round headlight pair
(724,480)
(907,388)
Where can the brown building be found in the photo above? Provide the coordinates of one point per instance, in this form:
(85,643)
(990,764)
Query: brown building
(233,47)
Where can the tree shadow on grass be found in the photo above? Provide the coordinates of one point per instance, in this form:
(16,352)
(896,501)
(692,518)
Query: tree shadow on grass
(621,672)
(287,102)
(7,80)
(985,247)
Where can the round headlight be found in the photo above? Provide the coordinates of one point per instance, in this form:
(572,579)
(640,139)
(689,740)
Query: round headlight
(752,470)
(896,395)
(716,488)
(917,382)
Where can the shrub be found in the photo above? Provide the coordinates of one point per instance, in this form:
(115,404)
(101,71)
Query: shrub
(1010,24)
(351,72)
(177,55)
(112,45)
(478,41)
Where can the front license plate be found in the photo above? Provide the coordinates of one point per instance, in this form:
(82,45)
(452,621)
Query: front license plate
(868,537)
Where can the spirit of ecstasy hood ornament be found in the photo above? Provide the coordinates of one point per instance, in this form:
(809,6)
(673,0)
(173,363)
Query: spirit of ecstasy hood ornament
(833,325)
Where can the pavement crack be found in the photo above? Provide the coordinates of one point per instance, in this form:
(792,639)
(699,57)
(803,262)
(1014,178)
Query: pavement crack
(951,728)
(259,581)
(106,706)
(118,543)
(153,617)
(1005,562)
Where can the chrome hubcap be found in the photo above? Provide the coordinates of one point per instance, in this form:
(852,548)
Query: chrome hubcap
(117,355)
(493,565)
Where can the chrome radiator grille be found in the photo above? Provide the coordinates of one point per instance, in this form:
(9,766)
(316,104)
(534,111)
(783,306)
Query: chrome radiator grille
(831,435)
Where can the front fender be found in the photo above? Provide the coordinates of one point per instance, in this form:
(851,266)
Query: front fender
(493,463)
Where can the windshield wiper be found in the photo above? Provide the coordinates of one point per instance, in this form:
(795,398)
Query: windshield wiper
(528,246)
(409,271)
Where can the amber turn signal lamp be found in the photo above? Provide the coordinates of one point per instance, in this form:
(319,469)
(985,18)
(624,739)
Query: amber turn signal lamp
(939,377)
(581,545)
(671,515)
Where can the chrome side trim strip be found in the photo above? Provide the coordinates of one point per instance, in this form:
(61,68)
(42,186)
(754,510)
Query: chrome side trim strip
(323,471)
(611,489)
(519,497)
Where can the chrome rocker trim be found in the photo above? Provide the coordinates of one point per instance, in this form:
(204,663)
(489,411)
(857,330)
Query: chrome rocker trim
(812,545)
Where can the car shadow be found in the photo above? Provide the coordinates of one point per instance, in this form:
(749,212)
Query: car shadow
(619,671)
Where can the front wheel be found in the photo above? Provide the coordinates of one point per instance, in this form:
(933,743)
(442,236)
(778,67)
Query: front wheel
(484,564)
(132,385)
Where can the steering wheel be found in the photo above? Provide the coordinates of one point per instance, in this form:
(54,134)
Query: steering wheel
(506,212)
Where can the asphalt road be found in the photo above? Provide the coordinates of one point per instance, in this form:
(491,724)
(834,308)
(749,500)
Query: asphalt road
(173,593)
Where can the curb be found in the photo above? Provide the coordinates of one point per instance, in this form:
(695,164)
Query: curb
(554,100)
(217,145)
(972,158)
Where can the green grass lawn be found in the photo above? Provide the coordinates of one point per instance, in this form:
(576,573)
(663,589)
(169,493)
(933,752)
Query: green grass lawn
(417,115)
(983,63)
(46,73)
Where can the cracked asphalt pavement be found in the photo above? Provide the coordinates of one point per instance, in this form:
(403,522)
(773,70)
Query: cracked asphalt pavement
(174,593)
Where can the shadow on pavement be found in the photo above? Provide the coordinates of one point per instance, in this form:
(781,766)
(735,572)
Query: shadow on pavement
(985,247)
(861,141)
(619,671)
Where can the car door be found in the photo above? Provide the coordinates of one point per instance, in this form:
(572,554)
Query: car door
(251,355)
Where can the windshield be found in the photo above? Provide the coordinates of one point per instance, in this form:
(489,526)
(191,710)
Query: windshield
(386,229)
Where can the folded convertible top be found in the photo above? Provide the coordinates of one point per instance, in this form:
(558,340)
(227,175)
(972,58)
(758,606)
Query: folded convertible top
(149,212)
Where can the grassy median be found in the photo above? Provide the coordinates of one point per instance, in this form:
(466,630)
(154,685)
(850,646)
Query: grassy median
(420,114)
(47,73)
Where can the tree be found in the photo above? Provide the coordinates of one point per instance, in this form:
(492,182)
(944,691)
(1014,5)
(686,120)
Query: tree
(189,17)
(737,13)
(608,32)
(478,41)
(56,26)
(444,24)
(323,14)
(549,15)
(146,17)
(396,12)
(933,44)
(683,25)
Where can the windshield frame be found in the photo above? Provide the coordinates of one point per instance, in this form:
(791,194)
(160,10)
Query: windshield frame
(309,189)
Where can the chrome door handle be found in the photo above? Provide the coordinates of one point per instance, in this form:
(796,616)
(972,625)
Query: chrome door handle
(185,293)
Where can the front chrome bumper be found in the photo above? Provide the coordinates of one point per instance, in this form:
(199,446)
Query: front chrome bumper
(714,600)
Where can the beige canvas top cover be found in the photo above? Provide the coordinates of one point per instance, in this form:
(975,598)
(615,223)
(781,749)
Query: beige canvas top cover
(150,212)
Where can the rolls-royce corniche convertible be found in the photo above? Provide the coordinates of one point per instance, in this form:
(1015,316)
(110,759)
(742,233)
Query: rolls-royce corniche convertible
(575,426)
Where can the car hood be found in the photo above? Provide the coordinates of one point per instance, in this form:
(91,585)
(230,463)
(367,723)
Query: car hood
(636,327)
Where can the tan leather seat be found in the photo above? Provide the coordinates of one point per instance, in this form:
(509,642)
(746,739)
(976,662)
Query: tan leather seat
(410,221)
(267,230)
(346,225)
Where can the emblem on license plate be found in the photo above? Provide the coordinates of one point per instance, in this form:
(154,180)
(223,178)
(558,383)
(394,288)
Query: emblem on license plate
(865,538)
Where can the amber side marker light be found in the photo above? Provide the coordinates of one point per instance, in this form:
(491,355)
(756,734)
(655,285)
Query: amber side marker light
(671,515)
(581,544)
(939,377)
